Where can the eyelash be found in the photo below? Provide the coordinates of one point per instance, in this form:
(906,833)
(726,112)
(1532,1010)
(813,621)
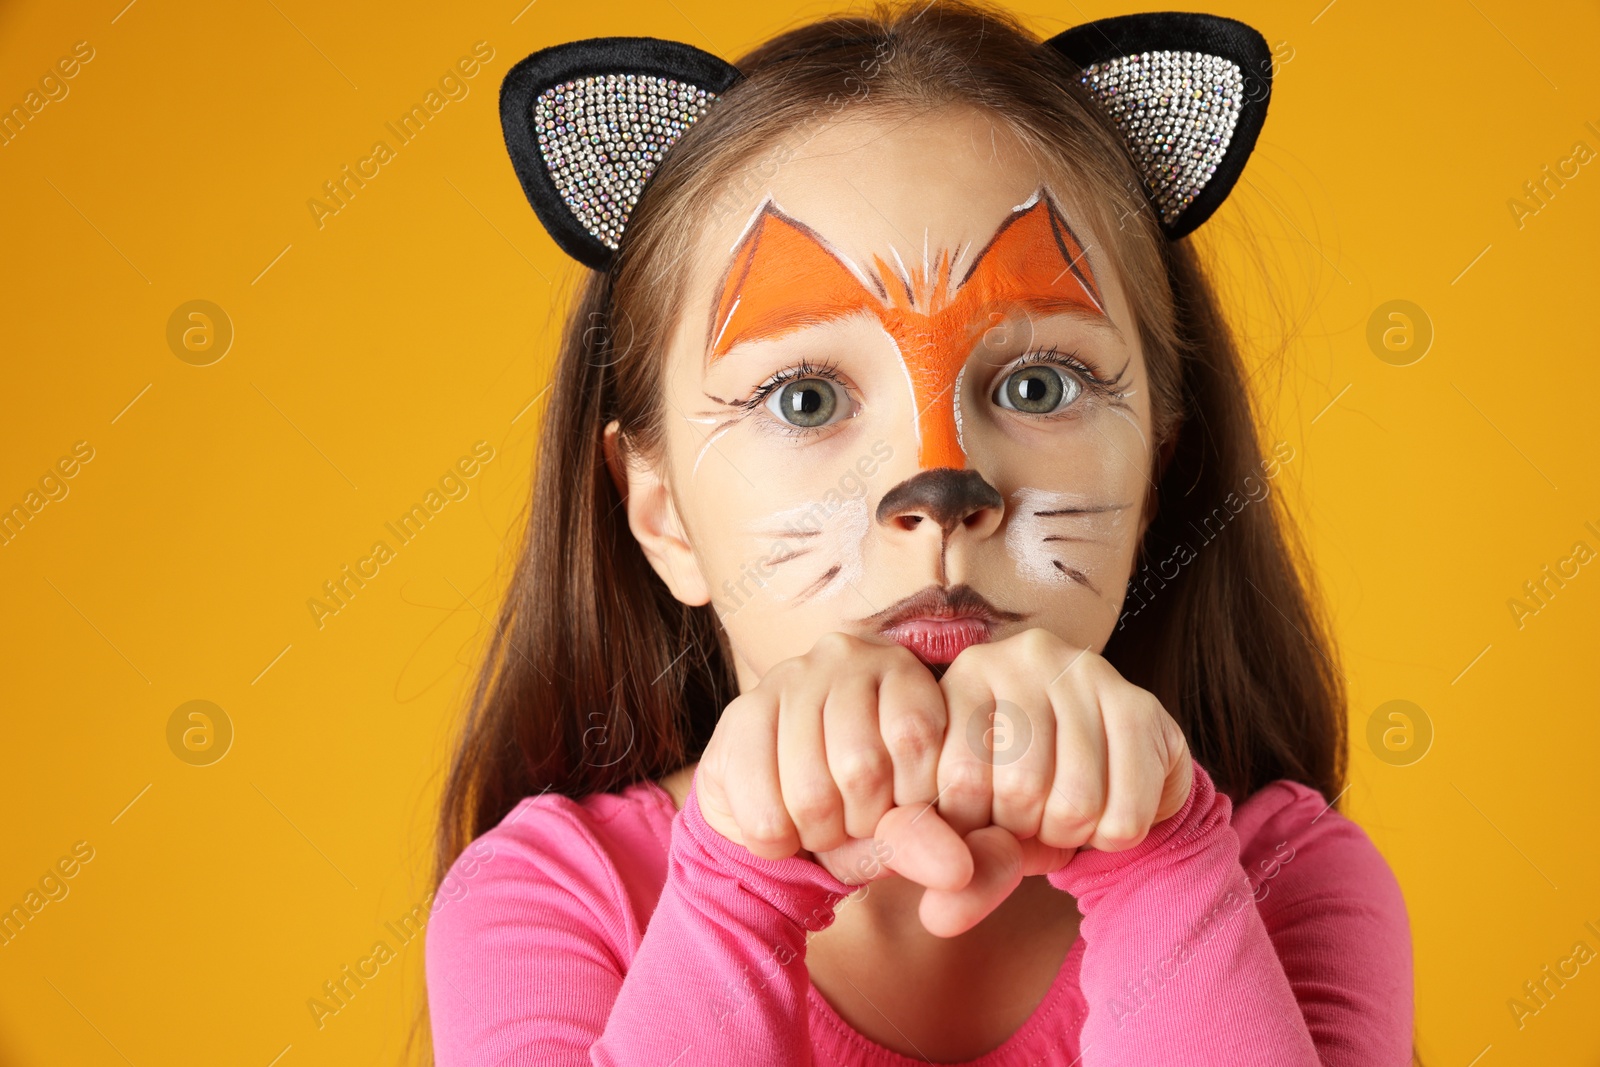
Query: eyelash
(826,370)
(1103,388)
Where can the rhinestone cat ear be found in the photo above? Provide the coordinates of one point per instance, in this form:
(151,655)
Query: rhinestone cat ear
(587,122)
(1188,91)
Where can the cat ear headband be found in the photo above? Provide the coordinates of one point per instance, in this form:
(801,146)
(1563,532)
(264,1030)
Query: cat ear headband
(587,122)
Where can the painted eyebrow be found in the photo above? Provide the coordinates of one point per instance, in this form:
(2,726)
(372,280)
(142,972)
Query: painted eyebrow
(800,316)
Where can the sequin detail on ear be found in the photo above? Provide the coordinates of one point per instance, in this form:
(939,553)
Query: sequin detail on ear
(1178,111)
(601,138)
(587,123)
(1189,94)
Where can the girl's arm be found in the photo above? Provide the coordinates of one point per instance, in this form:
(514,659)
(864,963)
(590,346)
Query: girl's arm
(534,965)
(1304,960)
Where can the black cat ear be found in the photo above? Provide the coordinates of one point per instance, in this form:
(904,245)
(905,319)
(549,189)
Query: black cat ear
(1188,91)
(587,123)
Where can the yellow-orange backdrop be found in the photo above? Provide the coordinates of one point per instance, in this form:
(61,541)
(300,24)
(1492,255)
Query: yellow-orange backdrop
(374,348)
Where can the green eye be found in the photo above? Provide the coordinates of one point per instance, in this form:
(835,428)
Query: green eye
(805,402)
(1037,389)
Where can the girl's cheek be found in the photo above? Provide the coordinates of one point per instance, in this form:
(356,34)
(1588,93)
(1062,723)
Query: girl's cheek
(798,555)
(1075,515)
(1067,556)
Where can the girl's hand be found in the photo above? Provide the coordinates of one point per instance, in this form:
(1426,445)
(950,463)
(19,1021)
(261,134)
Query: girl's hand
(1049,749)
(833,750)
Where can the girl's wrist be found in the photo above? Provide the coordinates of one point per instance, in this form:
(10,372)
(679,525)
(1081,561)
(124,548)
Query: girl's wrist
(798,887)
(1202,812)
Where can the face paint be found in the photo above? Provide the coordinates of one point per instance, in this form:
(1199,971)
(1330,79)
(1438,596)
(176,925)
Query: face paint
(942,495)
(833,535)
(711,439)
(1042,523)
(813,550)
(784,276)
(802,527)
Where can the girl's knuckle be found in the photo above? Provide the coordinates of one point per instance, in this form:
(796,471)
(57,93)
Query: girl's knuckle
(1125,830)
(966,780)
(814,805)
(767,826)
(1022,790)
(915,736)
(1039,642)
(1075,805)
(898,657)
(862,772)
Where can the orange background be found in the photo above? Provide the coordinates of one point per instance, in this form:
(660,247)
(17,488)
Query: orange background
(372,353)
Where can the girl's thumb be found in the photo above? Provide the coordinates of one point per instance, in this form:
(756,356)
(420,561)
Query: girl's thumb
(911,841)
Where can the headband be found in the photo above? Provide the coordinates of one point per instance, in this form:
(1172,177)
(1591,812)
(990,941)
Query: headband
(587,122)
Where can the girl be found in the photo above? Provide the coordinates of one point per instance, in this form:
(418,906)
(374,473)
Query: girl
(905,661)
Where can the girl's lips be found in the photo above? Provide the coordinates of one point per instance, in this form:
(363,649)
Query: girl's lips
(938,641)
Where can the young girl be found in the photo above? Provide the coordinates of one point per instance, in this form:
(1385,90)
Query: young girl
(906,659)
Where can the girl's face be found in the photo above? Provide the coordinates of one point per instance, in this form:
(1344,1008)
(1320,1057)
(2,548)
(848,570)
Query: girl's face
(905,400)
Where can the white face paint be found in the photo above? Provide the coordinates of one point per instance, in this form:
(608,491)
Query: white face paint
(1055,536)
(817,555)
(1025,533)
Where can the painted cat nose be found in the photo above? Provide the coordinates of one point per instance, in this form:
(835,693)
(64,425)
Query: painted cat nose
(944,496)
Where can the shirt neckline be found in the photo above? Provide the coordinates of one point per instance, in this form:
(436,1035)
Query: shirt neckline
(847,1044)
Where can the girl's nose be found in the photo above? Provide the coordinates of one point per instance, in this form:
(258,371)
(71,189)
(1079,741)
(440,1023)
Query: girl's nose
(948,498)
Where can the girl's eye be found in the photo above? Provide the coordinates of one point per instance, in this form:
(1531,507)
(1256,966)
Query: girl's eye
(805,402)
(1037,389)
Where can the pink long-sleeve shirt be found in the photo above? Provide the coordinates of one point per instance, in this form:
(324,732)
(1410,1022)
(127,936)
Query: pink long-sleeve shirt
(618,930)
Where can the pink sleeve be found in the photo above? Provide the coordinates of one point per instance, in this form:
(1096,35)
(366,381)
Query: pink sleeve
(535,965)
(1301,962)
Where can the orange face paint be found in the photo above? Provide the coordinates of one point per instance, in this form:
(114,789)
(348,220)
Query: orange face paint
(783,276)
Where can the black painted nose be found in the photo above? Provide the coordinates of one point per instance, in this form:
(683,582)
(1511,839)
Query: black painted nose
(943,495)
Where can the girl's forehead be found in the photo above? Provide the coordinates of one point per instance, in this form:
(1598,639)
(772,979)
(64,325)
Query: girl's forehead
(907,191)
(870,182)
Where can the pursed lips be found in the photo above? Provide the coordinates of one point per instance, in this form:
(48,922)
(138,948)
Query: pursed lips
(938,622)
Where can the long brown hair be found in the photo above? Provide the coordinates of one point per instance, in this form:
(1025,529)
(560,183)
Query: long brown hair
(595,677)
